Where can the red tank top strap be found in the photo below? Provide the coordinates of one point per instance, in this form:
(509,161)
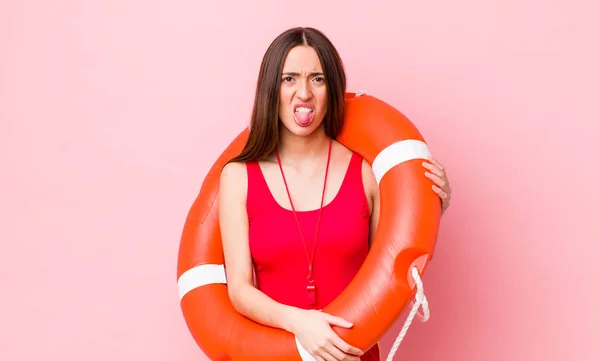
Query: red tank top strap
(355,167)
(353,192)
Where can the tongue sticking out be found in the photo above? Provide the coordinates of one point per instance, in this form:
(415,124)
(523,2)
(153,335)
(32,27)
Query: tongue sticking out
(303,118)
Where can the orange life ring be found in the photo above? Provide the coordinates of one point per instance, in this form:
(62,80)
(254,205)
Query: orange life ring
(405,238)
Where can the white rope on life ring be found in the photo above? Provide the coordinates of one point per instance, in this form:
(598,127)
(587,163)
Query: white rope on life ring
(420,301)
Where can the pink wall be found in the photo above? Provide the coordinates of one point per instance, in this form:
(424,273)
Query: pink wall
(112,112)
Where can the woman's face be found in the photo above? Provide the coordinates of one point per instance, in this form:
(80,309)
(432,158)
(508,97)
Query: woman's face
(303,94)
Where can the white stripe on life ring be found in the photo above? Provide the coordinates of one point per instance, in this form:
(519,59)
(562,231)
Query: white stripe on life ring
(397,153)
(199,276)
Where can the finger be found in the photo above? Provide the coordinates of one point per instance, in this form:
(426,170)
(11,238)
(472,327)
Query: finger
(443,195)
(444,198)
(318,358)
(335,352)
(437,180)
(338,321)
(436,162)
(433,169)
(345,347)
(324,353)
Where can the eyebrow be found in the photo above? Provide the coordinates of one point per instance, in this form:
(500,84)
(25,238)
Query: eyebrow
(297,74)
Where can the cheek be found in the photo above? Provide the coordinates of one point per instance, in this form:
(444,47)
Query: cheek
(323,102)
(283,102)
(284,99)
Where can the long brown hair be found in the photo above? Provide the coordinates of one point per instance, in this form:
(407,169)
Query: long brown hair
(263,135)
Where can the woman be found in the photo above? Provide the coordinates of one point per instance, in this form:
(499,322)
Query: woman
(297,209)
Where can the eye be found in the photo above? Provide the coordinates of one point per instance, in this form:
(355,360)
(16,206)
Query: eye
(320,79)
(287,79)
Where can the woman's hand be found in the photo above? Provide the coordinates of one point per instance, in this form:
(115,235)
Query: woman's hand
(438,175)
(313,330)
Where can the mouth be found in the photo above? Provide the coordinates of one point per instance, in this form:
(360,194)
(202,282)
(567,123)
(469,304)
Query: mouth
(304,114)
(305,108)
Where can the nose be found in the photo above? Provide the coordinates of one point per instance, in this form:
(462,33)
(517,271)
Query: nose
(304,91)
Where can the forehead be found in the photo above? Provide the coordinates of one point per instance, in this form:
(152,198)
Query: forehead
(302,59)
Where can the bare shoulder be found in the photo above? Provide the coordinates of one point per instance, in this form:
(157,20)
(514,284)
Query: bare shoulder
(233,169)
(234,181)
(341,152)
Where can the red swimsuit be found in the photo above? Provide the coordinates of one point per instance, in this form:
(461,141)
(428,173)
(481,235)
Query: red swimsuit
(278,252)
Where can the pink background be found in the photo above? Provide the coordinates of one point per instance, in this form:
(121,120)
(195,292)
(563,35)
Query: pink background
(112,112)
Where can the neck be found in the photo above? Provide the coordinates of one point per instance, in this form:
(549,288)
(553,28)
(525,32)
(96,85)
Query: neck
(297,150)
